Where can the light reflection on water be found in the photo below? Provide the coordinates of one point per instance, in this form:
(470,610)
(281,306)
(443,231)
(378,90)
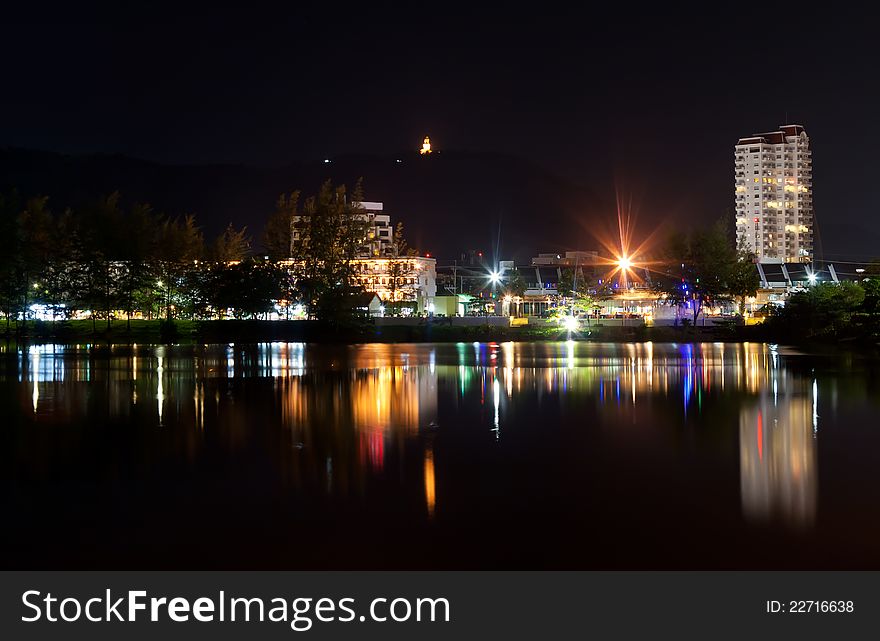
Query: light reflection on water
(338,416)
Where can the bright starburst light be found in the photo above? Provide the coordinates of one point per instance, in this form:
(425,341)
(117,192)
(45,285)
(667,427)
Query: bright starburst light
(628,261)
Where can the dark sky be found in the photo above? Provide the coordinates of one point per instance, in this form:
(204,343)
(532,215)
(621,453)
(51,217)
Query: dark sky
(651,103)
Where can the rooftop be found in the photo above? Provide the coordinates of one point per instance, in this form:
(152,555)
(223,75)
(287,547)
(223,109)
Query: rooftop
(773,137)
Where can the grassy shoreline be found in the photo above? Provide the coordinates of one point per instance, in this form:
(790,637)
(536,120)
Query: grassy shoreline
(183,331)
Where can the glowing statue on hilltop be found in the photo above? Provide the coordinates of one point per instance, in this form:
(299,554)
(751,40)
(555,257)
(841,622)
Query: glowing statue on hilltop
(426,147)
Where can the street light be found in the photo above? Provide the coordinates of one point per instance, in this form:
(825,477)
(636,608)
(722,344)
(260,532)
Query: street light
(494,278)
(624,264)
(812,278)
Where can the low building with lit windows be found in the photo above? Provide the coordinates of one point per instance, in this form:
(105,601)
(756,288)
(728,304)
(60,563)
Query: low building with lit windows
(405,279)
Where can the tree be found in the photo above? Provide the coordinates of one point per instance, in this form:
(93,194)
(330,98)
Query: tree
(100,236)
(180,245)
(331,232)
(574,291)
(516,284)
(62,272)
(743,280)
(869,316)
(572,283)
(698,266)
(137,247)
(515,287)
(823,310)
(11,289)
(278,233)
(232,245)
(249,287)
(35,250)
(400,269)
(566,284)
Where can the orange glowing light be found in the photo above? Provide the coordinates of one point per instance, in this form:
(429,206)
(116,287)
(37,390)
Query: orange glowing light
(430,495)
(760,437)
(627,260)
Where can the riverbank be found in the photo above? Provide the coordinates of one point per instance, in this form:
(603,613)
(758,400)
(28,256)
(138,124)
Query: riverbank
(253,331)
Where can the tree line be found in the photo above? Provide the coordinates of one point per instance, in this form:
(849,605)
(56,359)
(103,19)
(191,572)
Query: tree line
(845,311)
(106,258)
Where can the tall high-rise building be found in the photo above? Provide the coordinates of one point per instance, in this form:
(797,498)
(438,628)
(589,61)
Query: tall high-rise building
(774,195)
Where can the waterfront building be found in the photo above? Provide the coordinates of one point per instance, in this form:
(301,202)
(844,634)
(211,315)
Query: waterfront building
(410,282)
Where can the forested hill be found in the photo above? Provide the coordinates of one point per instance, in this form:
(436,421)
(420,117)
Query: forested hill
(449,202)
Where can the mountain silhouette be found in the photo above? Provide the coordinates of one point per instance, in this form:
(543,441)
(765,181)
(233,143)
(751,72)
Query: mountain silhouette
(449,202)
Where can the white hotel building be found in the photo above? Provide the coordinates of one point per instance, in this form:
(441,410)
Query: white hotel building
(774,195)
(379,230)
(393,278)
(378,268)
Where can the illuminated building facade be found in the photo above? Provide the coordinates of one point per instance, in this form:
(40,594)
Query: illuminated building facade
(379,231)
(403,279)
(400,279)
(774,195)
(426,147)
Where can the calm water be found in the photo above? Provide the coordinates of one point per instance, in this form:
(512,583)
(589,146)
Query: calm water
(567,455)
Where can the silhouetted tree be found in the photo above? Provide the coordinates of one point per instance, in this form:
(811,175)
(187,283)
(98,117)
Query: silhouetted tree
(400,270)
(331,231)
(823,310)
(62,273)
(34,250)
(137,245)
(278,234)
(698,265)
(11,281)
(180,247)
(515,287)
(232,245)
(743,280)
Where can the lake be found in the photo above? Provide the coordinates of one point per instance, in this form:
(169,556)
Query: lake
(515,455)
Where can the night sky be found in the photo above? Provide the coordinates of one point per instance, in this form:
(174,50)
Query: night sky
(646,104)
